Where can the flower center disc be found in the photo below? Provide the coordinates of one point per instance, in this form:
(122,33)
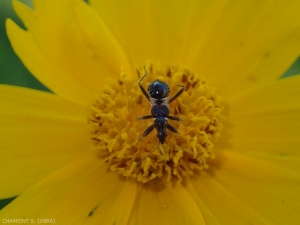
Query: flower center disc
(116,131)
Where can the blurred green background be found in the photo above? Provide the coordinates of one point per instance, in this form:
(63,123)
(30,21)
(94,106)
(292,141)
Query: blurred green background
(13,72)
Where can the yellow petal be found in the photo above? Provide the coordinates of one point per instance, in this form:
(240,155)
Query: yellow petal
(248,191)
(235,45)
(265,123)
(39,133)
(130,22)
(46,71)
(83,192)
(100,38)
(146,29)
(238,45)
(58,52)
(161,203)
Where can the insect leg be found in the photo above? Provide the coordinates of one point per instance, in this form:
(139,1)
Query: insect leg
(174,118)
(145,117)
(171,128)
(147,131)
(178,93)
(141,87)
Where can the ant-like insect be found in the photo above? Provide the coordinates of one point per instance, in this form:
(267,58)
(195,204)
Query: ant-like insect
(158,95)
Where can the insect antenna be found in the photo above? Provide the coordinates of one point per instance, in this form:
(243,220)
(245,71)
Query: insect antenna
(178,147)
(150,153)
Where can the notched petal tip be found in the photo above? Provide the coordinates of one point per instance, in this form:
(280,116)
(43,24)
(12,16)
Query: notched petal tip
(24,12)
(11,28)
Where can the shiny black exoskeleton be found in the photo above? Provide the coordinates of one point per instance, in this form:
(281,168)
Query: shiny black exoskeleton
(158,95)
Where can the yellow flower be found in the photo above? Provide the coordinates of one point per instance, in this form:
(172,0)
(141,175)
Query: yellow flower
(75,156)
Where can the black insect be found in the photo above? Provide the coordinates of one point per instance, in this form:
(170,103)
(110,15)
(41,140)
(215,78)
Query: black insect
(158,95)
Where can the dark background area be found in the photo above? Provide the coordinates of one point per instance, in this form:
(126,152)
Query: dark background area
(13,72)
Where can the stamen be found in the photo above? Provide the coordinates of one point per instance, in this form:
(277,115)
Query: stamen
(116,131)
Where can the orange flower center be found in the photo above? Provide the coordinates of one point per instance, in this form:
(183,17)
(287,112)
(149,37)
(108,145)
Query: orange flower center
(117,133)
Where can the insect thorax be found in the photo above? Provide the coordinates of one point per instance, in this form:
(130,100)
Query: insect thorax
(163,101)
